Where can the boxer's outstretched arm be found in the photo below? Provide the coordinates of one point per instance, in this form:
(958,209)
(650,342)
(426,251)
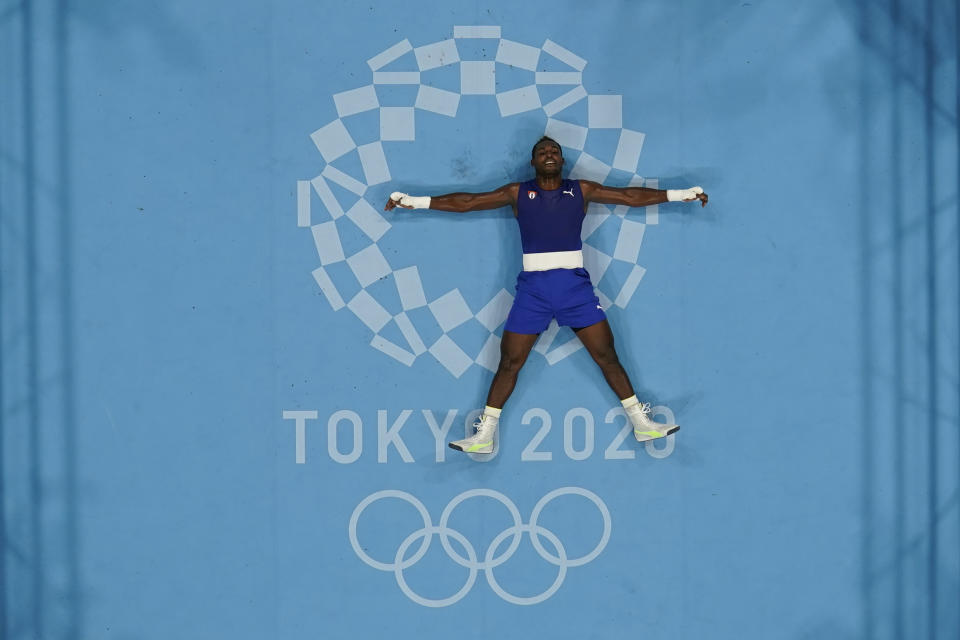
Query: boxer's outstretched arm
(638,196)
(457,202)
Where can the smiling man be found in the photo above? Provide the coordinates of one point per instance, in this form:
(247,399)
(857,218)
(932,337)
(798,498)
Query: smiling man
(553,284)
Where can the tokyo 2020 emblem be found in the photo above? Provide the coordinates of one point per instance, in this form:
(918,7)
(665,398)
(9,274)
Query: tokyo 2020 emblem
(346,207)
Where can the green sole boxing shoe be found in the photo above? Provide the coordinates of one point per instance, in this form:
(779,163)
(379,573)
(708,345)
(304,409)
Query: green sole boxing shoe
(644,428)
(482,440)
(653,434)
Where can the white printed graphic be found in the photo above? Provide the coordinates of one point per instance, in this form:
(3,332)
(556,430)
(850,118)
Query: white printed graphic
(582,440)
(400,123)
(480,560)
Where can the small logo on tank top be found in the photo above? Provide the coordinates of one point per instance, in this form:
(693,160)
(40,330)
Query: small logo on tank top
(531,194)
(569,193)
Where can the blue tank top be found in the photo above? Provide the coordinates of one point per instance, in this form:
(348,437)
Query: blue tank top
(550,220)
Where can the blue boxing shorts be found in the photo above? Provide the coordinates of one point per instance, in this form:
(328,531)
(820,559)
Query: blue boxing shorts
(566,294)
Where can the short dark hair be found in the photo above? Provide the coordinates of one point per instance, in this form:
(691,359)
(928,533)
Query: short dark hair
(545,139)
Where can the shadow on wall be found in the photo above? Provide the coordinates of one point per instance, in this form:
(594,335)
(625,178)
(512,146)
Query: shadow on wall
(41,586)
(910,460)
(39,574)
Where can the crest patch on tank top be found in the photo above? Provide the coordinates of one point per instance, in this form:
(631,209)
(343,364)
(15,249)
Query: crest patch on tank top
(531,194)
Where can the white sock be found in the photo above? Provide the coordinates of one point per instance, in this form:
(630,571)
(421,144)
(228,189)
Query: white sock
(634,411)
(492,412)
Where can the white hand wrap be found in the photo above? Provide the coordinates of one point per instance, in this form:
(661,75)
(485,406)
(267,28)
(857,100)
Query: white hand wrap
(417,202)
(677,195)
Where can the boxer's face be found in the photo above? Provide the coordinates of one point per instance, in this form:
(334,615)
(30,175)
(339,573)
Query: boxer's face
(547,158)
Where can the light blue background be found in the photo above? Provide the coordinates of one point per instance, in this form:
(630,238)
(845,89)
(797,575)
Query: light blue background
(159,315)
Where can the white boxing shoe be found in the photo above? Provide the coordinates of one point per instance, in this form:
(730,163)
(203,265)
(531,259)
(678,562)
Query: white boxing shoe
(645,428)
(482,440)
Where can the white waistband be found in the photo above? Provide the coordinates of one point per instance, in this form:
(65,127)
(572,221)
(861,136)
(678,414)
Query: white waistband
(552,260)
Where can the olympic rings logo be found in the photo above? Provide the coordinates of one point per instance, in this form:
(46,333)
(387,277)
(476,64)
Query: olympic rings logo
(492,557)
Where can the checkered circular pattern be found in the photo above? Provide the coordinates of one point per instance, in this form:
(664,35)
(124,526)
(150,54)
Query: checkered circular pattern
(609,237)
